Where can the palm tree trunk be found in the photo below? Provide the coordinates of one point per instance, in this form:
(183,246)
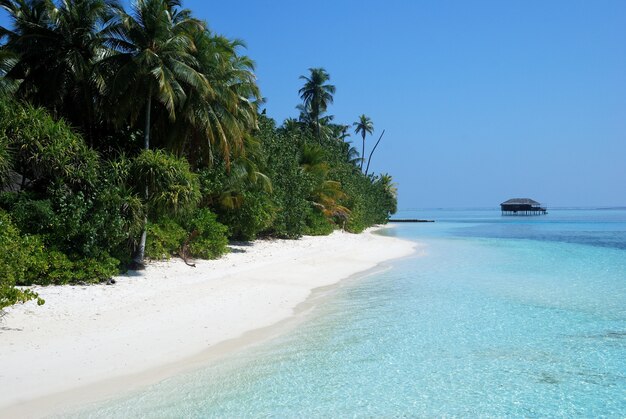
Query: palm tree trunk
(141,250)
(372,152)
(146,131)
(363,153)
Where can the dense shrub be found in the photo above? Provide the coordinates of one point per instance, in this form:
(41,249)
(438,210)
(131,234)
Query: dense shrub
(317,224)
(44,150)
(5,161)
(25,260)
(165,238)
(207,237)
(290,184)
(255,215)
(74,222)
(170,184)
(13,265)
(240,195)
(198,234)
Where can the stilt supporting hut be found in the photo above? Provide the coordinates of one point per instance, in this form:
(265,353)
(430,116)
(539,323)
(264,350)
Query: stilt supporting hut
(522,206)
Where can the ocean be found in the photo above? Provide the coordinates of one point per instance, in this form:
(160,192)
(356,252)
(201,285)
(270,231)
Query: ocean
(492,317)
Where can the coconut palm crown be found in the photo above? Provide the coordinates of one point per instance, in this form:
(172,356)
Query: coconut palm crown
(316,95)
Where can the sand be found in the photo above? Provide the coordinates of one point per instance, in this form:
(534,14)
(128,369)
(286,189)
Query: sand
(90,342)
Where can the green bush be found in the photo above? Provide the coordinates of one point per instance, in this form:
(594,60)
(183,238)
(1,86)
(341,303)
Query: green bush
(200,232)
(57,269)
(255,215)
(74,222)
(34,260)
(95,269)
(33,216)
(45,150)
(165,238)
(291,185)
(11,252)
(5,160)
(207,236)
(317,224)
(26,260)
(171,185)
(13,266)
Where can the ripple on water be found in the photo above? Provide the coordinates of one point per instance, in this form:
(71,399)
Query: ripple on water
(481,326)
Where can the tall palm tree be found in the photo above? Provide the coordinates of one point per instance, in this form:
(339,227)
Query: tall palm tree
(155,66)
(316,95)
(54,47)
(363,126)
(155,63)
(220,119)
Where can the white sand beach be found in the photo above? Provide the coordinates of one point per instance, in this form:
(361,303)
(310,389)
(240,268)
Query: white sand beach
(91,342)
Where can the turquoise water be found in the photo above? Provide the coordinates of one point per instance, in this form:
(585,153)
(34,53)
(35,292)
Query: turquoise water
(496,316)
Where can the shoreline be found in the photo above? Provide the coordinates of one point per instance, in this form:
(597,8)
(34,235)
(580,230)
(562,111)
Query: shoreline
(90,343)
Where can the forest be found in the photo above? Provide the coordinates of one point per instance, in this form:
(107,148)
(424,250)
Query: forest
(135,135)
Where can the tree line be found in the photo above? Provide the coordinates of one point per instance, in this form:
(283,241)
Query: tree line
(127,134)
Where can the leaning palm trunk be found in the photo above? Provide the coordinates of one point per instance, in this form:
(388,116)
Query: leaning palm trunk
(372,153)
(141,250)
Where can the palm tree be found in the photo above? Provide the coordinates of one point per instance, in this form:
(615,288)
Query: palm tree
(391,190)
(316,95)
(52,50)
(220,118)
(291,125)
(364,126)
(155,63)
(324,194)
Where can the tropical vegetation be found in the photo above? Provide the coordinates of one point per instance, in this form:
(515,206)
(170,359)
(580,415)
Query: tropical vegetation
(133,135)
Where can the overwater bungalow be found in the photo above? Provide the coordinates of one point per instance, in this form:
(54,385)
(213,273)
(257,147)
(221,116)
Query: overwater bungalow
(522,206)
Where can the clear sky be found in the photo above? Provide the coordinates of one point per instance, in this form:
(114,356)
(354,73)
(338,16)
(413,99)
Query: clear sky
(481,100)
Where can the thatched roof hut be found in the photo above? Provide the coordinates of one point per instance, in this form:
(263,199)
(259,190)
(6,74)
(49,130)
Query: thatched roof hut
(522,206)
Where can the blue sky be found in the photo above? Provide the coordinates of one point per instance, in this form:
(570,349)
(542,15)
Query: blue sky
(481,100)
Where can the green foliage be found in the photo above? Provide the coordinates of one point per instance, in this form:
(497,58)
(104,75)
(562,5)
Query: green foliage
(290,184)
(31,215)
(317,224)
(75,222)
(10,295)
(25,260)
(255,215)
(160,74)
(5,160)
(171,185)
(198,235)
(12,265)
(207,237)
(165,239)
(45,150)
(95,269)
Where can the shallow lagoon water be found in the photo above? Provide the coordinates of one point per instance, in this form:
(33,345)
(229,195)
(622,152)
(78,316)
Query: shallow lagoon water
(494,316)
